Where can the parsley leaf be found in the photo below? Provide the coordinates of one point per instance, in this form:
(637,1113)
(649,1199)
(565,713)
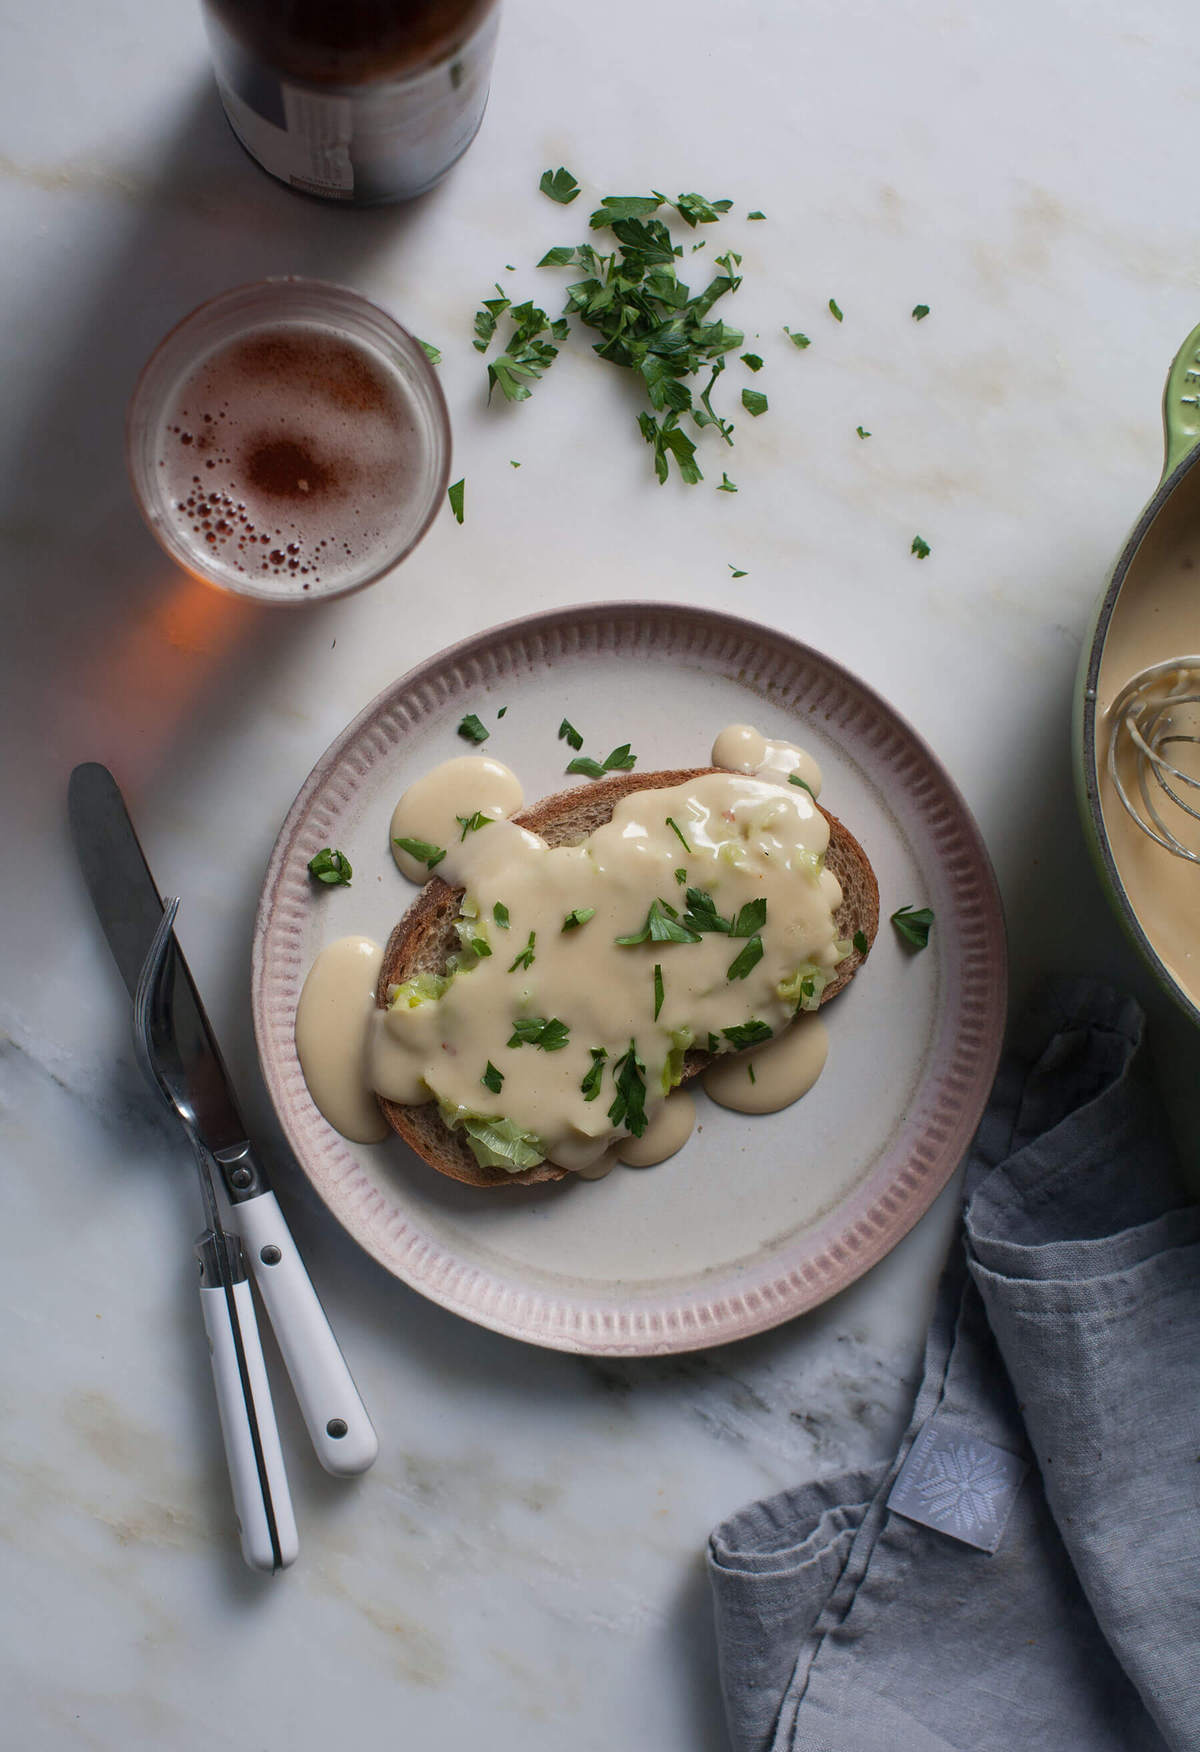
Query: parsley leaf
(618,760)
(560,185)
(492,1078)
(754,402)
(750,1073)
(525,958)
(590,1087)
(796,338)
(751,918)
(920,547)
(679,835)
(920,312)
(834,310)
(663,925)
(525,357)
(629,1105)
(750,957)
(658,989)
(860,942)
(500,914)
(714,1045)
(331,867)
(702,914)
(913,925)
(736,573)
(752,360)
(472,823)
(570,734)
(795,779)
(432,353)
(486,319)
(681,876)
(578,916)
(455,495)
(695,210)
(472,729)
(502,711)
(422,851)
(751,1033)
(862,431)
(583,763)
(547,1036)
(613,209)
(756,215)
(558,257)
(726,486)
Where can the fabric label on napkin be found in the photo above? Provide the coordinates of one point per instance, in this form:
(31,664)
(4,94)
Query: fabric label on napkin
(958,1484)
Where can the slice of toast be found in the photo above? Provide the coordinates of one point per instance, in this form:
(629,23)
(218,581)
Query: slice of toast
(425,938)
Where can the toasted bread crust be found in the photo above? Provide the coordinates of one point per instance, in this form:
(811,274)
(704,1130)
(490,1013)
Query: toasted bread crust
(425,936)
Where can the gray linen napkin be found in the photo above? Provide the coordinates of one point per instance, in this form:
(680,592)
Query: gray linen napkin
(1048,1594)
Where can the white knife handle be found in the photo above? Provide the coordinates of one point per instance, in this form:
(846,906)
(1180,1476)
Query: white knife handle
(248,1492)
(341,1431)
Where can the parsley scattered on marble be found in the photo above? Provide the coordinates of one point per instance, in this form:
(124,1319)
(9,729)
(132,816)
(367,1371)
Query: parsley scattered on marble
(835,310)
(920,547)
(455,495)
(920,312)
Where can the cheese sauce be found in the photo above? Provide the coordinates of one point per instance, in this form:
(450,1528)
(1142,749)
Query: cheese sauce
(336,1005)
(772,1076)
(699,916)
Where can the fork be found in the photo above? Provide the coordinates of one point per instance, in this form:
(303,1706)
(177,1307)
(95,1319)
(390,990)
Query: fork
(261,1497)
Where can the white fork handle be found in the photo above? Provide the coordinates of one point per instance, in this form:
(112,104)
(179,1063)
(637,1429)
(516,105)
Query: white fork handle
(248,1493)
(337,1421)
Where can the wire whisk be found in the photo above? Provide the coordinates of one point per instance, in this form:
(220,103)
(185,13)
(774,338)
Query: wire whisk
(1153,718)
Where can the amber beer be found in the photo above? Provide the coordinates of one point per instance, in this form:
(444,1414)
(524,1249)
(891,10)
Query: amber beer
(354,100)
(289,441)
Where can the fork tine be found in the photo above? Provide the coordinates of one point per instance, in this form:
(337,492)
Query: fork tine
(143,998)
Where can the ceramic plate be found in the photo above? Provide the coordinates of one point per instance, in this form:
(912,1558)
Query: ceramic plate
(757,1218)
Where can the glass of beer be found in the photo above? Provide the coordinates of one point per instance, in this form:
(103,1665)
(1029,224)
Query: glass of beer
(288,441)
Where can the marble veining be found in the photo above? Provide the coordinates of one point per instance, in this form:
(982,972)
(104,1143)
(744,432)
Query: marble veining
(524,1564)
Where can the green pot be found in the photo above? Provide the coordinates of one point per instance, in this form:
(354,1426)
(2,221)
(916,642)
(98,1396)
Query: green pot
(1181,424)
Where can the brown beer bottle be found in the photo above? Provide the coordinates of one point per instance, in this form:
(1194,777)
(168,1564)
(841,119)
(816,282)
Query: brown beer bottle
(360,101)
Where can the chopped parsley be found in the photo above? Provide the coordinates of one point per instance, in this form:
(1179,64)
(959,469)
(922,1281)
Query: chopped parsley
(472,823)
(629,1104)
(568,732)
(663,925)
(560,185)
(754,402)
(679,834)
(751,1033)
(714,1045)
(681,876)
(590,1087)
(750,1073)
(860,942)
(578,916)
(756,215)
(432,353)
(862,431)
(526,354)
(558,257)
(472,729)
(736,573)
(795,779)
(913,925)
(726,486)
(835,310)
(658,989)
(920,312)
(620,760)
(752,360)
(702,914)
(547,1036)
(750,957)
(502,711)
(455,496)
(525,958)
(500,914)
(751,918)
(796,338)
(422,851)
(920,547)
(492,1078)
(331,867)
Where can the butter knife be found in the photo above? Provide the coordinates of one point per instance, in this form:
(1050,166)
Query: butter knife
(130,910)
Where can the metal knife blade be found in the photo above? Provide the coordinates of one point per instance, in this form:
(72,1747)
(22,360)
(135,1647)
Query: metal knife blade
(129,908)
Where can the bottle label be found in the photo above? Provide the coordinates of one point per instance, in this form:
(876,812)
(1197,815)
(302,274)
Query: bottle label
(383,142)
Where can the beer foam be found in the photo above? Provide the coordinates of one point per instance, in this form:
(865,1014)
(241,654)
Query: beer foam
(289,457)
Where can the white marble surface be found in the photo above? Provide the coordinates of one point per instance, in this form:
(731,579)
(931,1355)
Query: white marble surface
(524,1563)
